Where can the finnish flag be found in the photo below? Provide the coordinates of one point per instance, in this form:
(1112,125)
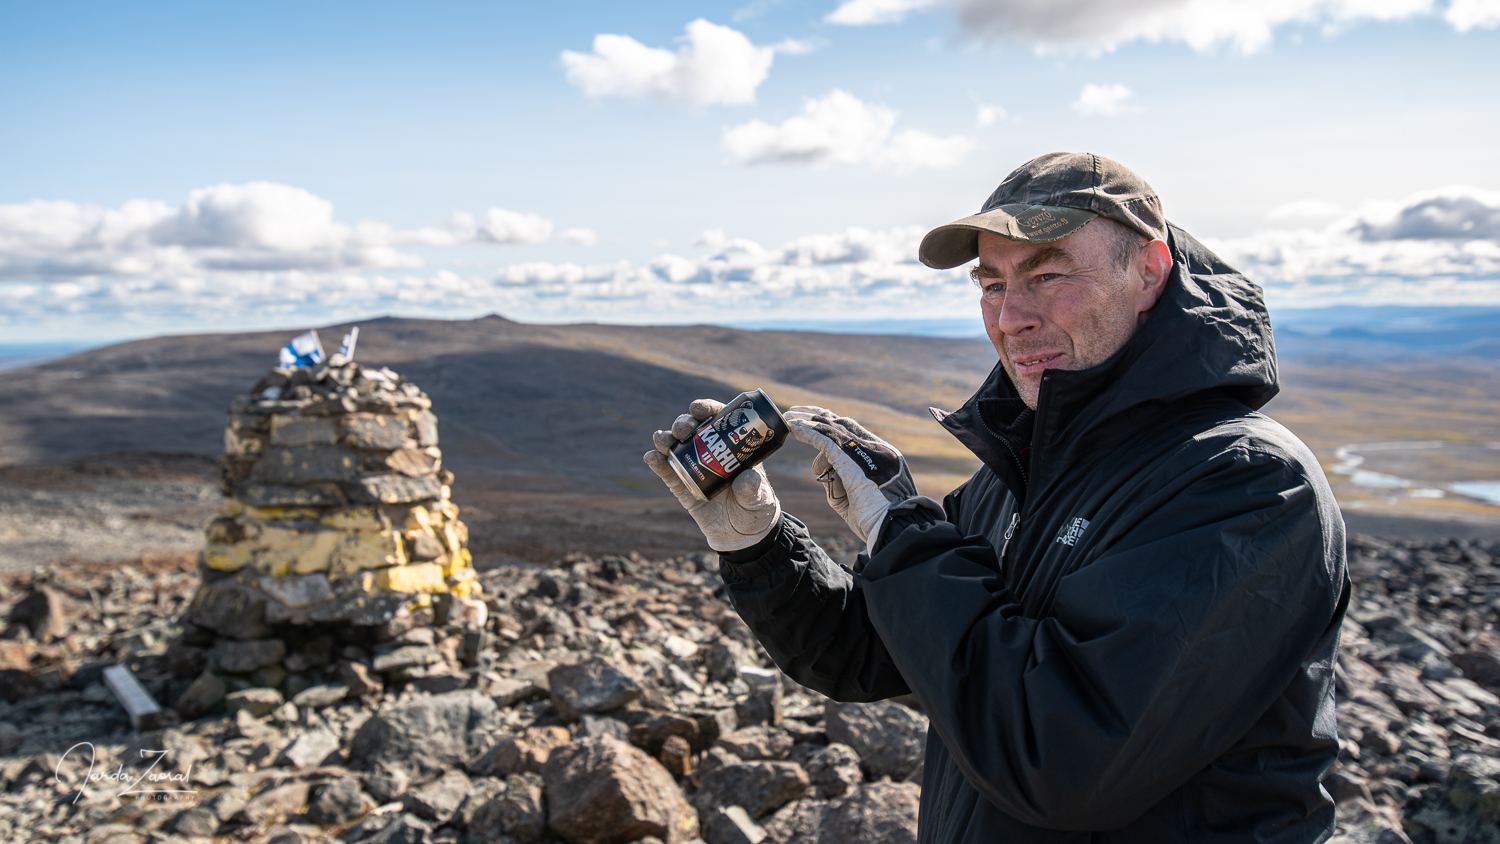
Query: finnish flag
(304,350)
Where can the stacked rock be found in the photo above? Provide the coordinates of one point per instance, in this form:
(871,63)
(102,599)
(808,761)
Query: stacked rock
(337,516)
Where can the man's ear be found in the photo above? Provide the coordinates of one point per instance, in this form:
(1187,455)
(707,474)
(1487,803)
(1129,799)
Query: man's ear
(1155,267)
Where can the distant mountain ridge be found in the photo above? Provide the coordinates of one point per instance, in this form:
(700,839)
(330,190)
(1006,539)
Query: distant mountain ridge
(545,424)
(538,402)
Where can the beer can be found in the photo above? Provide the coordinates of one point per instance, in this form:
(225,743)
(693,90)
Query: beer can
(747,431)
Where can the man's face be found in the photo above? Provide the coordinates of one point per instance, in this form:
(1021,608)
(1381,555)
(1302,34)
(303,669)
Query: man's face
(1066,304)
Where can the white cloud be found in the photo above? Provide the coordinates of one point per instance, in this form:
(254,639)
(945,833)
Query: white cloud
(799,46)
(258,226)
(582,237)
(513,227)
(869,12)
(1436,247)
(841,129)
(853,272)
(1457,212)
(1465,15)
(712,238)
(754,9)
(1245,25)
(716,66)
(1104,101)
(1305,209)
(986,114)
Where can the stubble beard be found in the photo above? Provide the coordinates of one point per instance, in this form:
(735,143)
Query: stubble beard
(1030,389)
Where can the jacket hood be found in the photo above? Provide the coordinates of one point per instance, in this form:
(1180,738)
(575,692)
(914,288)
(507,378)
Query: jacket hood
(1209,332)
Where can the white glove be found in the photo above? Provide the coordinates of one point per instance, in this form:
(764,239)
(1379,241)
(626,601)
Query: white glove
(862,474)
(735,518)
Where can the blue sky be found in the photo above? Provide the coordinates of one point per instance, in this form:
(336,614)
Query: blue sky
(175,167)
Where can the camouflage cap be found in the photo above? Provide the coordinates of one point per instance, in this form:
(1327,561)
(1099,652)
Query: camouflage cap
(1049,198)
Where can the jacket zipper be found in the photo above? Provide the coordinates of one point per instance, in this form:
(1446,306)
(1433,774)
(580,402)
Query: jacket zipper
(1015,456)
(1010,531)
(1015,517)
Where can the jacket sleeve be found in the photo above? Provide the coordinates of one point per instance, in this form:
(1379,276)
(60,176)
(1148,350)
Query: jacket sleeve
(809,614)
(1157,656)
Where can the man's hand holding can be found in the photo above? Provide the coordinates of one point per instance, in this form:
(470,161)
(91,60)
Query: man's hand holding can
(736,515)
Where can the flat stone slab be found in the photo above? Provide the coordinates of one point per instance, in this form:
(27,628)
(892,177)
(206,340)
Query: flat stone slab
(375,431)
(394,489)
(409,656)
(304,430)
(280,495)
(306,464)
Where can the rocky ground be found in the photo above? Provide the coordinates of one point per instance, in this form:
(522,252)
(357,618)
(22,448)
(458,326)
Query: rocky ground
(617,699)
(105,507)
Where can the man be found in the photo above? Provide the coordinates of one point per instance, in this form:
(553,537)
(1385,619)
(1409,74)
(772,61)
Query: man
(1123,627)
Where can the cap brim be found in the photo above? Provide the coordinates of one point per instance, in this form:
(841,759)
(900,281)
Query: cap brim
(958,242)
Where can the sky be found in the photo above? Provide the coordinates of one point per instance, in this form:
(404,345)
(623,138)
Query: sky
(190,167)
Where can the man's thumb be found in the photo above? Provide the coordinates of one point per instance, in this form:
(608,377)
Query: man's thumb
(752,490)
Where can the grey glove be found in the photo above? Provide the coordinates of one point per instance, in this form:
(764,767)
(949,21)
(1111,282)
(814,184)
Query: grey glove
(735,518)
(862,474)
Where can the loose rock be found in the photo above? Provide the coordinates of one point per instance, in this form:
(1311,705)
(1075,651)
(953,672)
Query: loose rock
(880,813)
(518,812)
(593,685)
(834,771)
(424,735)
(760,787)
(889,738)
(339,802)
(752,743)
(438,800)
(604,791)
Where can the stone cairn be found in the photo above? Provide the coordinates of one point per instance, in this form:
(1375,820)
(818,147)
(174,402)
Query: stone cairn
(337,531)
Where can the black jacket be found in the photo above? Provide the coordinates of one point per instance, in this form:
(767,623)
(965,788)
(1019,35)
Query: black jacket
(1149,657)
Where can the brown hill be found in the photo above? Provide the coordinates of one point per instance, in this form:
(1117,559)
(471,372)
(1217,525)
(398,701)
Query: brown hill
(545,424)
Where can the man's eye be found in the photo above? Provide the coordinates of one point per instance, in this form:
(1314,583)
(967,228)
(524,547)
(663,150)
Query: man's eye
(1048,276)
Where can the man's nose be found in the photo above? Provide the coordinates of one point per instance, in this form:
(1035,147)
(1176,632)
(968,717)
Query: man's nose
(1016,315)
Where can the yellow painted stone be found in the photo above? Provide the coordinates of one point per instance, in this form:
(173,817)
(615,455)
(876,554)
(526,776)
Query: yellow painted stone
(355,518)
(273,514)
(463,533)
(463,582)
(417,519)
(274,537)
(450,539)
(458,562)
(228,557)
(317,552)
(368,550)
(420,577)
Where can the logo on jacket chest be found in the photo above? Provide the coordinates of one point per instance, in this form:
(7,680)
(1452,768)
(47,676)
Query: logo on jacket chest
(1072,531)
